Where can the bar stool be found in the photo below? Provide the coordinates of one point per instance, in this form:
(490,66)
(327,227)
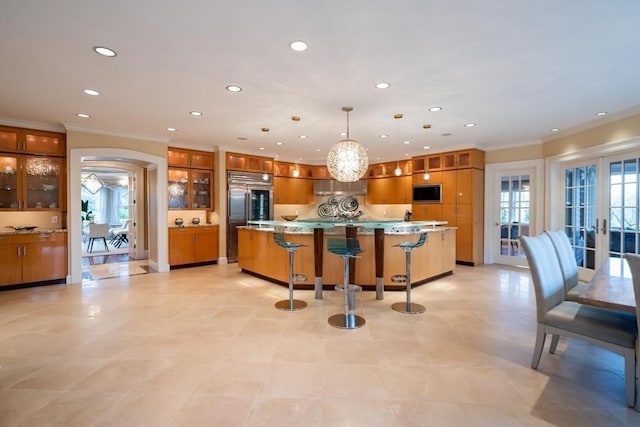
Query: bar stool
(408,307)
(346,248)
(290,304)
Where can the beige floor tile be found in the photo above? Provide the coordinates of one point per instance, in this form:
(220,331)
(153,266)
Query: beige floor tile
(206,346)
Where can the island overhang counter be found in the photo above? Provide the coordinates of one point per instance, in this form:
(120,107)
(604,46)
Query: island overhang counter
(258,254)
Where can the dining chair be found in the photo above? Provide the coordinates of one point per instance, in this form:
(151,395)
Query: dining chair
(614,331)
(572,286)
(634,266)
(98,232)
(119,234)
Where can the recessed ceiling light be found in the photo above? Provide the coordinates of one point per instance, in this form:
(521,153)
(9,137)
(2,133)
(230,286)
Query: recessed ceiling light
(195,113)
(383,85)
(426,147)
(298,45)
(601,113)
(83,115)
(555,130)
(260,148)
(104,51)
(242,138)
(303,137)
(279,143)
(172,129)
(384,135)
(234,88)
(343,134)
(469,125)
(446,134)
(406,142)
(91,92)
(434,109)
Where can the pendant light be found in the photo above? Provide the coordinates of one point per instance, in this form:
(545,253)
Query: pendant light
(397,171)
(426,176)
(347,160)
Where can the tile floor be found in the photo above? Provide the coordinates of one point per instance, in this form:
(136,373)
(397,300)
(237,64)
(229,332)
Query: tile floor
(205,347)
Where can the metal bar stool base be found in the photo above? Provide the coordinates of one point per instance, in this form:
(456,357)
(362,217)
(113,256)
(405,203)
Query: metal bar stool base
(411,308)
(342,321)
(292,305)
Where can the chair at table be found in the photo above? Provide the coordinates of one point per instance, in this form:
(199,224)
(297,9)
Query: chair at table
(98,232)
(634,265)
(614,331)
(572,286)
(119,235)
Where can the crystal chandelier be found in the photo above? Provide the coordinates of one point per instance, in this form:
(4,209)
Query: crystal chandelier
(92,183)
(347,160)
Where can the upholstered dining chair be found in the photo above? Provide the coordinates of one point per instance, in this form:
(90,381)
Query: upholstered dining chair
(608,329)
(572,286)
(634,265)
(98,232)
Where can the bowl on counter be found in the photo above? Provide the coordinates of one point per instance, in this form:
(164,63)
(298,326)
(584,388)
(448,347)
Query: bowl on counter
(289,217)
(195,221)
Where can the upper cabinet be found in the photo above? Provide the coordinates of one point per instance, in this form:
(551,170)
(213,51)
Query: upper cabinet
(190,176)
(463,159)
(180,157)
(390,169)
(32,170)
(28,141)
(295,170)
(249,163)
(31,182)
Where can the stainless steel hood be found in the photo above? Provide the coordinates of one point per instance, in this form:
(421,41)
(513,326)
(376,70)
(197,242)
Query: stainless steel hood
(326,187)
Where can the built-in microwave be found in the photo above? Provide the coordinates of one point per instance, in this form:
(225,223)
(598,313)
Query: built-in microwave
(427,193)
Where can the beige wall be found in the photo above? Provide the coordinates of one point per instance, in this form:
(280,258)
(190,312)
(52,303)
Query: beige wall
(529,152)
(92,140)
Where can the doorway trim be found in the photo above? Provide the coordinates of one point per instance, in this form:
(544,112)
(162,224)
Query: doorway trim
(157,215)
(492,190)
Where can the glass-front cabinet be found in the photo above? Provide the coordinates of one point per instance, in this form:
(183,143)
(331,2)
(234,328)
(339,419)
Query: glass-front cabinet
(190,189)
(30,182)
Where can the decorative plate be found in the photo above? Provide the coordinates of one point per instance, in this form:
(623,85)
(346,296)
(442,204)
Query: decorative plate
(349,204)
(325,210)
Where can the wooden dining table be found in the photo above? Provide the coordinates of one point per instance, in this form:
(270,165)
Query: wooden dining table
(611,287)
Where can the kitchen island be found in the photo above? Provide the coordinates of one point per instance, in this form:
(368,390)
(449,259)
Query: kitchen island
(258,253)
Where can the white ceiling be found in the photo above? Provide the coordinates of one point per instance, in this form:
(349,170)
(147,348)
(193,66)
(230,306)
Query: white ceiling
(516,68)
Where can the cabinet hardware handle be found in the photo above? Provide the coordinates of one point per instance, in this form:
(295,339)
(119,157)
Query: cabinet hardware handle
(604,226)
(18,248)
(596,225)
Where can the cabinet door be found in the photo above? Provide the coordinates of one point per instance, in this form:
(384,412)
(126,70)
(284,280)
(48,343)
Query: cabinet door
(434,162)
(202,189)
(376,191)
(206,245)
(279,189)
(8,139)
(43,182)
(177,157)
(45,260)
(178,188)
(10,263)
(47,143)
(181,247)
(464,234)
(304,193)
(201,160)
(10,181)
(464,185)
(449,187)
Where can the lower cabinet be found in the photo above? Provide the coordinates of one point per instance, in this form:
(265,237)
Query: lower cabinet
(190,245)
(32,257)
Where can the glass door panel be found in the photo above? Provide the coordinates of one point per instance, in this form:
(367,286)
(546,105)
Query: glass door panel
(515,214)
(42,182)
(259,205)
(9,182)
(580,217)
(624,207)
(201,189)
(178,188)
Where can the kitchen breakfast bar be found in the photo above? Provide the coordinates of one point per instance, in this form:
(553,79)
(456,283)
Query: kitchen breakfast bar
(373,269)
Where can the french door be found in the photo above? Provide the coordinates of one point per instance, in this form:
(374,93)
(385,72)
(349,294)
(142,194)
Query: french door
(601,200)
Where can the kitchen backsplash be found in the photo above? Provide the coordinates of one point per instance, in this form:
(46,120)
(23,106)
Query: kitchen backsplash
(45,219)
(368,211)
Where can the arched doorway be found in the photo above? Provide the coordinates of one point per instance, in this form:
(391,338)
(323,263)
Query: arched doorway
(156,198)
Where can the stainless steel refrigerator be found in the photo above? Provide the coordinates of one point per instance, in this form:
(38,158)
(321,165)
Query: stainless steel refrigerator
(250,197)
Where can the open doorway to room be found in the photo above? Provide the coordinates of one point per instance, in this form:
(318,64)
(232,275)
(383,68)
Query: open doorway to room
(110,225)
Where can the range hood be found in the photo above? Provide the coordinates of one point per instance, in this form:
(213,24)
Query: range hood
(326,187)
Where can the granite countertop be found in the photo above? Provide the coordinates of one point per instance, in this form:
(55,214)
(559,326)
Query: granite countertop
(192,225)
(10,230)
(390,226)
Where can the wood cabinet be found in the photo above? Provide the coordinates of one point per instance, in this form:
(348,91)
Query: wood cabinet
(190,189)
(32,257)
(442,252)
(432,162)
(463,159)
(292,191)
(249,163)
(29,141)
(320,172)
(191,245)
(184,158)
(388,191)
(31,182)
(384,170)
(295,170)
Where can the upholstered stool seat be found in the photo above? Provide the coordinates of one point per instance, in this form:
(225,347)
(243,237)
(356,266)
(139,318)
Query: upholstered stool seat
(408,306)
(290,304)
(346,248)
